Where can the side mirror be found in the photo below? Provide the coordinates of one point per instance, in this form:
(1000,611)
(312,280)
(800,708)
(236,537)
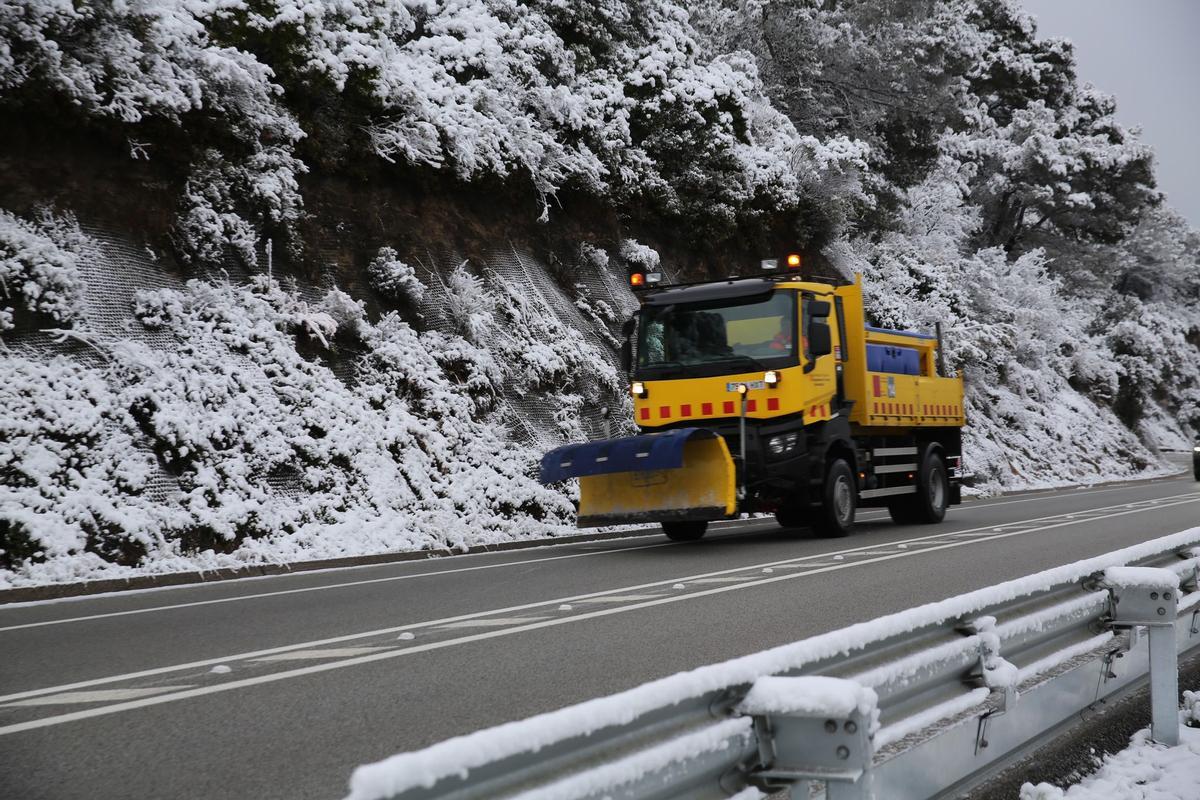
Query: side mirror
(818,308)
(627,355)
(628,326)
(820,342)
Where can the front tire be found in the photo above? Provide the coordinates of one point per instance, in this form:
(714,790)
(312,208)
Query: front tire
(685,530)
(839,501)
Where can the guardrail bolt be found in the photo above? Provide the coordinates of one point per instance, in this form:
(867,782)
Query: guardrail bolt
(1154,595)
(830,726)
(851,726)
(843,752)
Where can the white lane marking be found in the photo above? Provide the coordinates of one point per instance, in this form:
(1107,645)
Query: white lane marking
(732,524)
(98,696)
(490,622)
(723,579)
(745,579)
(281,592)
(620,598)
(329,652)
(492,634)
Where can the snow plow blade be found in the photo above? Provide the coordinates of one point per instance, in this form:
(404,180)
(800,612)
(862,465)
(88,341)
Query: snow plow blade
(681,474)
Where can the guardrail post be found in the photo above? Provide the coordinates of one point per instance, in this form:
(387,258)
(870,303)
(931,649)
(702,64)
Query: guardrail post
(814,729)
(1148,597)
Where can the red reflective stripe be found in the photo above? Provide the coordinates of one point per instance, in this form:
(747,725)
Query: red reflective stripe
(685,410)
(772,404)
(878,388)
(728,406)
(706,408)
(645,412)
(751,405)
(664,412)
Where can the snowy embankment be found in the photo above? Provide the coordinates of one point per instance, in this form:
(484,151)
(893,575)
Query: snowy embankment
(1144,770)
(266,454)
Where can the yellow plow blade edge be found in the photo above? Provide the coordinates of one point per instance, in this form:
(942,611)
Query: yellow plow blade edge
(702,488)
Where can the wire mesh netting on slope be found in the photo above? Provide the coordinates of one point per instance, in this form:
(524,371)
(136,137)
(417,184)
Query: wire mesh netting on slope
(255,414)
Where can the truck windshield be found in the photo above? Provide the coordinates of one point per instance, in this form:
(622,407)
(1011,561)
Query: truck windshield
(718,337)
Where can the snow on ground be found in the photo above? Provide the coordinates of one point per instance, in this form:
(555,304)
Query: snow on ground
(1143,771)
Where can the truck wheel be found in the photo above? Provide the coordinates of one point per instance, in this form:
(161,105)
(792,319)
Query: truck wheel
(929,503)
(685,531)
(839,500)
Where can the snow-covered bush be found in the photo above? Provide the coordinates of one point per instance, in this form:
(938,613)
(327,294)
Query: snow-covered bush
(394,279)
(408,458)
(39,267)
(639,256)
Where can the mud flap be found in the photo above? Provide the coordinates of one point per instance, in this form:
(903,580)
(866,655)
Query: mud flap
(681,474)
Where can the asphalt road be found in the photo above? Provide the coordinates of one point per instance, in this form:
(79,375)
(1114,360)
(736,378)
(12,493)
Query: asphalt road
(278,687)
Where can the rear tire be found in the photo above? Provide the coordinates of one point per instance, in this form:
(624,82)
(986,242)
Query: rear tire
(928,505)
(834,518)
(685,531)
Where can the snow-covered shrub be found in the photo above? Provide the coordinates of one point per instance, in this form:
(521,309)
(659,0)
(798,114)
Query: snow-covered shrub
(408,458)
(39,267)
(470,304)
(639,256)
(394,279)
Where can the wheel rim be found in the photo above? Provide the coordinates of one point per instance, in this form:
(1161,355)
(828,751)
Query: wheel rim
(843,499)
(937,488)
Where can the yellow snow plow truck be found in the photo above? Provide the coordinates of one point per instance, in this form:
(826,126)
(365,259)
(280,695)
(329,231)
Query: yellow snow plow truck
(771,394)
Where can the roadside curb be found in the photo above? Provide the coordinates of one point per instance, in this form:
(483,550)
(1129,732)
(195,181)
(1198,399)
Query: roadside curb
(60,591)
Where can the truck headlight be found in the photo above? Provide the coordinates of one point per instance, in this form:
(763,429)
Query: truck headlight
(782,444)
(639,389)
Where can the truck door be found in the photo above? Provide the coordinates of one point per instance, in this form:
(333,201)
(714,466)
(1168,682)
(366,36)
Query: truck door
(820,364)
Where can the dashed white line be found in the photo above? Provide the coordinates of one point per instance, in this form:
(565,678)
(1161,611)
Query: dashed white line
(98,696)
(329,652)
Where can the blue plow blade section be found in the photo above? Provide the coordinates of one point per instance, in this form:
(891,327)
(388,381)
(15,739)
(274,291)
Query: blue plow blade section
(681,474)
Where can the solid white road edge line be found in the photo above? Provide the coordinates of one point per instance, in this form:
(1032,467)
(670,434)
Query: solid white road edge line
(30,725)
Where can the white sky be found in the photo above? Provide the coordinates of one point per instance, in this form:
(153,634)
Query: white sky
(1146,53)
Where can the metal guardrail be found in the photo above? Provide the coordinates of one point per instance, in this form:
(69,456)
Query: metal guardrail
(947,694)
